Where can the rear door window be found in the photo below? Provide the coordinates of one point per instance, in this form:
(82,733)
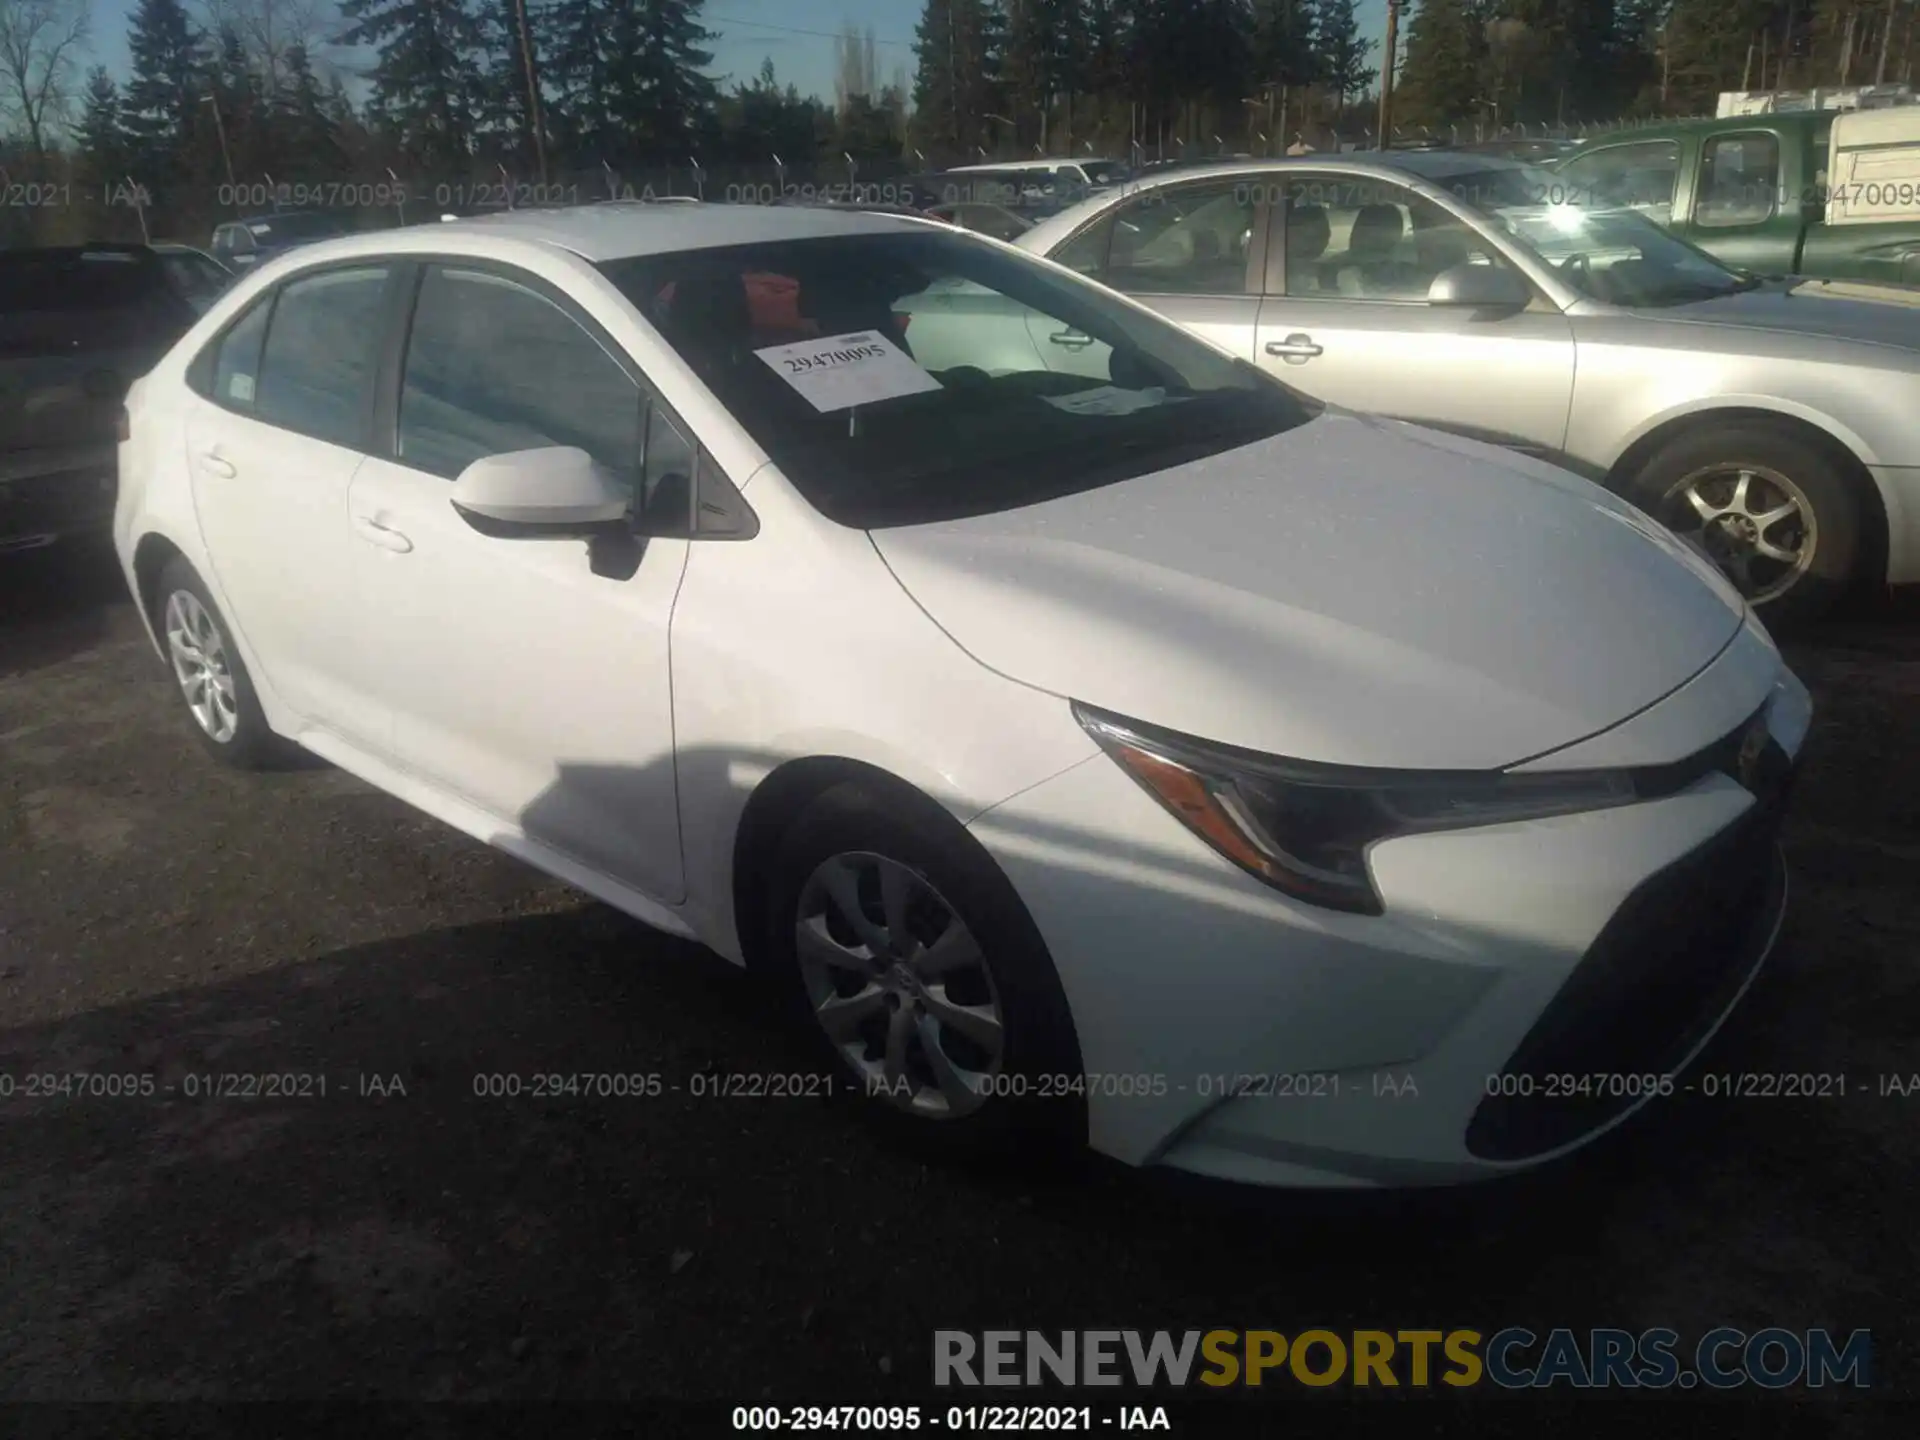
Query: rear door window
(1739,180)
(235,377)
(322,350)
(1641,176)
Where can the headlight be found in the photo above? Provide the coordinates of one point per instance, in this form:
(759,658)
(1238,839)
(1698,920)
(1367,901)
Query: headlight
(1305,829)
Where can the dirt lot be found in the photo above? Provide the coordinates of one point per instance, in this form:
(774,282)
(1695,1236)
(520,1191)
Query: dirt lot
(161,917)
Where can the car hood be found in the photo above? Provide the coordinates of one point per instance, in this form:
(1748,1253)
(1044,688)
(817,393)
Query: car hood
(1353,591)
(1836,310)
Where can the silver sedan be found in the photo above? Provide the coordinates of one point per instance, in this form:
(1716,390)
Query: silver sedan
(1777,422)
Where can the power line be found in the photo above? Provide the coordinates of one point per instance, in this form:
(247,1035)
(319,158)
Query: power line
(793,30)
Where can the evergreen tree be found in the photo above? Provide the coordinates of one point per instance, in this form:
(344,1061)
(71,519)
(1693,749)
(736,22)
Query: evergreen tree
(955,88)
(576,71)
(632,78)
(1044,61)
(426,78)
(1439,81)
(1342,60)
(765,119)
(1281,38)
(101,135)
(1705,44)
(504,117)
(161,103)
(303,128)
(233,86)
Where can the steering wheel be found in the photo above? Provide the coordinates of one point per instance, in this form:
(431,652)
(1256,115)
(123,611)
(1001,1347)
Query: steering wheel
(1577,267)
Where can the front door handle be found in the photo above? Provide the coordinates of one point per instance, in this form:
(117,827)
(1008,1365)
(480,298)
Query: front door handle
(385,536)
(1070,339)
(218,464)
(1296,349)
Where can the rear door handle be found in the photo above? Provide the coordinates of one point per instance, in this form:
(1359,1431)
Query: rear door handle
(1070,339)
(385,536)
(218,464)
(1296,349)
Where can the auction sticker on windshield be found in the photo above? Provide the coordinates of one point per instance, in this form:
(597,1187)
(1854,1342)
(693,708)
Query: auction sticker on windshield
(1108,400)
(842,371)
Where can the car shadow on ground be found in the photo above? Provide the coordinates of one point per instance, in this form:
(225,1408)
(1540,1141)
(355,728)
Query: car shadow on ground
(410,1210)
(56,602)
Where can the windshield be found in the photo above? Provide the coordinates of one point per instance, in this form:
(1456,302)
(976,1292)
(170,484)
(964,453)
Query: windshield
(1104,172)
(1598,245)
(198,277)
(900,379)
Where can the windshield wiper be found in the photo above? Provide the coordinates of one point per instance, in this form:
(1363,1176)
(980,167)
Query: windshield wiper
(1691,294)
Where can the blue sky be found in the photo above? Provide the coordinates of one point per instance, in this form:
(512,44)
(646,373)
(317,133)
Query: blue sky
(797,35)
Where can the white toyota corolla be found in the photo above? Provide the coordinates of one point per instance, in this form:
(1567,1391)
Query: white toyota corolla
(1164,761)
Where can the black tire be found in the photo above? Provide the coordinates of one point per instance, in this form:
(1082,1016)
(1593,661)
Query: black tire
(1837,531)
(1033,1107)
(252,745)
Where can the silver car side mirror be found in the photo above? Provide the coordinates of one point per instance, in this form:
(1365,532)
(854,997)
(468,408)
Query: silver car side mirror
(1479,287)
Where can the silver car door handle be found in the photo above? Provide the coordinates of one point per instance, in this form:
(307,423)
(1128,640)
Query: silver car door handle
(1295,349)
(1070,339)
(387,538)
(218,464)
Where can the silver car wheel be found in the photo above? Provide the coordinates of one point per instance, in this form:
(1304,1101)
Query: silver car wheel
(1756,524)
(199,654)
(900,985)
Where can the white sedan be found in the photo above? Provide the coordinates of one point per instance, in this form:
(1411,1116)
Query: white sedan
(1159,760)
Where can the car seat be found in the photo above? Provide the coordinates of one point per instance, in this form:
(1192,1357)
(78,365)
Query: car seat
(1369,268)
(708,320)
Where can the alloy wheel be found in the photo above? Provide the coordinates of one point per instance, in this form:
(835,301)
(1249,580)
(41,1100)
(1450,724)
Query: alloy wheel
(900,985)
(1755,523)
(199,654)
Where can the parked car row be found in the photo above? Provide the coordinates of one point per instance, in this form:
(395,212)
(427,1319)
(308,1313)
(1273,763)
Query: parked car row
(1825,194)
(1077,721)
(1768,419)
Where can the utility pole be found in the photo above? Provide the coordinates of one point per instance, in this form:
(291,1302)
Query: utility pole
(1388,52)
(220,129)
(533,91)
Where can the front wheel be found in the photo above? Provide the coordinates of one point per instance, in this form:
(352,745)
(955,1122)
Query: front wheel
(922,977)
(1773,510)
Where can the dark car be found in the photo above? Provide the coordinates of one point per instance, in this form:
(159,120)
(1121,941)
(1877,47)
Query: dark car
(78,324)
(242,243)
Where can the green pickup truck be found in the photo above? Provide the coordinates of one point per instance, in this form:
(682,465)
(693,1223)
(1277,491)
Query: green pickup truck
(1832,195)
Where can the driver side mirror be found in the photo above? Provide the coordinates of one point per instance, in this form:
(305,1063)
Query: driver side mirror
(1479,287)
(550,493)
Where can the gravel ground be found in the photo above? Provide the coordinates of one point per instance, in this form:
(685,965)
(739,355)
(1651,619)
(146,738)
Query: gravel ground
(161,917)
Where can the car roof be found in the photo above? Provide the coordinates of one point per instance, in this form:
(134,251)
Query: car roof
(1015,165)
(1445,164)
(1703,124)
(1431,165)
(598,233)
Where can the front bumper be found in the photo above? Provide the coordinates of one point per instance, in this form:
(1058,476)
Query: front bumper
(38,508)
(1230,1031)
